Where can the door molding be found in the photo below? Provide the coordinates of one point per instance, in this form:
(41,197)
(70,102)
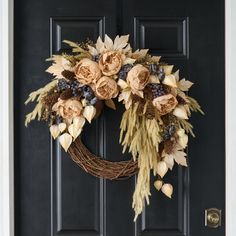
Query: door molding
(6,117)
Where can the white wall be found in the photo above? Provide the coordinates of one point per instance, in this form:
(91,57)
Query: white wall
(230,26)
(6,119)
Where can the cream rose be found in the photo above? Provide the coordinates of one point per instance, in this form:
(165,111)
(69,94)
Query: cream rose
(110,63)
(138,77)
(87,71)
(165,103)
(68,109)
(106,88)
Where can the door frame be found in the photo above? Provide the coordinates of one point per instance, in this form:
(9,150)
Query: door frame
(6,117)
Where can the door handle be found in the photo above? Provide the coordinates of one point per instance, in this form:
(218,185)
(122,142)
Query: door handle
(213,217)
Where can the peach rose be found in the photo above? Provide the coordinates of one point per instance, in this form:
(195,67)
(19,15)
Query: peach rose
(87,71)
(165,103)
(68,109)
(106,88)
(110,63)
(138,77)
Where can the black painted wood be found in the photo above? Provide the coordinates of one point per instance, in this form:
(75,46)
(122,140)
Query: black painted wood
(52,195)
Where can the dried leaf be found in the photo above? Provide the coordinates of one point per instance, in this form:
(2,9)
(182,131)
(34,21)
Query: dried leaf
(170,81)
(169,160)
(180,158)
(184,84)
(93,51)
(108,43)
(100,45)
(110,104)
(122,84)
(183,138)
(168,69)
(60,64)
(65,141)
(120,42)
(89,112)
(75,46)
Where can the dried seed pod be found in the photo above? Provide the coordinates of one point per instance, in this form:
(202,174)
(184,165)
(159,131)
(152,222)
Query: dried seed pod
(158,184)
(66,94)
(150,111)
(147,93)
(70,75)
(167,189)
(54,130)
(65,141)
(181,100)
(50,99)
(161,168)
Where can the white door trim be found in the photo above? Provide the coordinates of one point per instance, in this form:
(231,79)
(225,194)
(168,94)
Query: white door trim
(230,90)
(6,117)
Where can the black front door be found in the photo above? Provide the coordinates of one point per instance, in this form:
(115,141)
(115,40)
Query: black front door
(55,197)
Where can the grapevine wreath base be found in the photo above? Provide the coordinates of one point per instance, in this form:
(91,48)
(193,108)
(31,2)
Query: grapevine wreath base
(99,167)
(154,126)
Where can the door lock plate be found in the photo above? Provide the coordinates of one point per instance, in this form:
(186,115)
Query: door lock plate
(213,217)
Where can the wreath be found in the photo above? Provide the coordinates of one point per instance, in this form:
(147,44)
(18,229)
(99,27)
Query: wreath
(154,127)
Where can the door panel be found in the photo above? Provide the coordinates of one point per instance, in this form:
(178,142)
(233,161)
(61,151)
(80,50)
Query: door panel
(55,197)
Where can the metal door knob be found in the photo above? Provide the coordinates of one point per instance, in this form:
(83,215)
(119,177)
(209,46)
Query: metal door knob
(213,217)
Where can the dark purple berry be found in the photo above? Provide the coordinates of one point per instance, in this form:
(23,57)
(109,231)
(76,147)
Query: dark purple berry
(124,71)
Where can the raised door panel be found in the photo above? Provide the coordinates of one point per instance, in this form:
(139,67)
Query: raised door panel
(77,198)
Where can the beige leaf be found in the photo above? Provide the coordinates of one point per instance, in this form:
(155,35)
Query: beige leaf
(180,158)
(158,184)
(168,69)
(183,138)
(89,112)
(169,160)
(100,45)
(167,189)
(139,54)
(79,122)
(161,168)
(129,60)
(108,42)
(74,131)
(60,64)
(120,42)
(180,112)
(93,51)
(62,127)
(170,81)
(65,141)
(54,130)
(122,84)
(156,58)
(110,104)
(124,95)
(154,79)
(184,84)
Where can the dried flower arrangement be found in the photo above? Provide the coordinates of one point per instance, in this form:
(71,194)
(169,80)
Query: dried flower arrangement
(154,126)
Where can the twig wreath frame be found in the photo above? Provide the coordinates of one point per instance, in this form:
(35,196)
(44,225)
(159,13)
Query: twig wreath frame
(153,128)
